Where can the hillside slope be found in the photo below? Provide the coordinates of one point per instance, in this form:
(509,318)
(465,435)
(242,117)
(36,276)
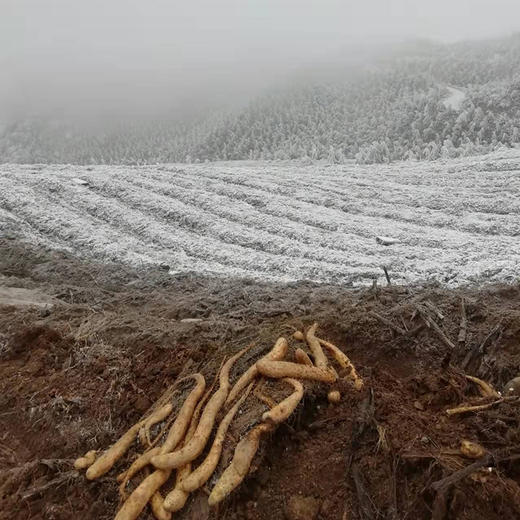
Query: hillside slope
(280,223)
(393,104)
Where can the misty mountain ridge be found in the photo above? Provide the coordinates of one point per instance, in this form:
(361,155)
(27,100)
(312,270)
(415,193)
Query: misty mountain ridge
(417,100)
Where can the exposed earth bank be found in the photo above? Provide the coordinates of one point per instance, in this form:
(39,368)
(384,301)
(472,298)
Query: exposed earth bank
(76,372)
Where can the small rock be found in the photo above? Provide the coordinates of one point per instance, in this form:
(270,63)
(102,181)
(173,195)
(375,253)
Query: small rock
(302,508)
(418,405)
(81,182)
(387,241)
(512,387)
(191,320)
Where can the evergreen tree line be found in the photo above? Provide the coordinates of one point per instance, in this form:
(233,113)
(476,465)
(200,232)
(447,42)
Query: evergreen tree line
(393,108)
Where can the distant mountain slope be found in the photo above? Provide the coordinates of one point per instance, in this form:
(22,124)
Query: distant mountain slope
(392,107)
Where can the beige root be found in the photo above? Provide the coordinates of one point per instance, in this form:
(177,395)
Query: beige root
(320,359)
(477,408)
(334,396)
(340,357)
(472,450)
(237,470)
(157,505)
(179,427)
(278,352)
(137,501)
(87,460)
(486,390)
(176,499)
(175,434)
(301,357)
(285,408)
(194,448)
(114,453)
(148,489)
(139,464)
(156,417)
(279,369)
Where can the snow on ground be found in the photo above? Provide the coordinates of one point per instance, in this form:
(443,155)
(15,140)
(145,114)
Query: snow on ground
(455,99)
(455,221)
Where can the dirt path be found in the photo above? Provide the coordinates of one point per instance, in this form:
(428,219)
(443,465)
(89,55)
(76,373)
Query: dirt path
(75,377)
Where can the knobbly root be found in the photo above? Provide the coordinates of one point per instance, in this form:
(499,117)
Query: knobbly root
(278,352)
(194,448)
(142,494)
(157,505)
(320,359)
(280,369)
(471,450)
(238,469)
(136,466)
(176,499)
(283,410)
(181,424)
(104,463)
(340,357)
(158,416)
(334,396)
(86,461)
(301,357)
(486,390)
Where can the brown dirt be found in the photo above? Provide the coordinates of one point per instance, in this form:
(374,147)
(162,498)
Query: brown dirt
(75,377)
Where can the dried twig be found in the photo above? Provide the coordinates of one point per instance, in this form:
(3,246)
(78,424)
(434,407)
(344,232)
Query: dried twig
(387,276)
(430,322)
(387,322)
(480,407)
(481,349)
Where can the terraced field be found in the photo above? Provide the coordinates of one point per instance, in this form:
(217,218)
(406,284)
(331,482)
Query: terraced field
(456,221)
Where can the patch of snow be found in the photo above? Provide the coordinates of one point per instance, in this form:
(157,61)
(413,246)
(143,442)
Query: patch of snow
(456,221)
(455,99)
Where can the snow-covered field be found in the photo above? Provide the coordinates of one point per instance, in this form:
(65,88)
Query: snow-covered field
(457,221)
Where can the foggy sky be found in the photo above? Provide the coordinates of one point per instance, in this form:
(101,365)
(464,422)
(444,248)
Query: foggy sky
(152,55)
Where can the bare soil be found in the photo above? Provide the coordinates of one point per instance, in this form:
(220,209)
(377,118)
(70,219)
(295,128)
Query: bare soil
(76,375)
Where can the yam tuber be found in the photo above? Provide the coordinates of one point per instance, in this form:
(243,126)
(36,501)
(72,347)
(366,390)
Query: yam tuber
(176,499)
(194,448)
(279,369)
(140,496)
(340,357)
(320,359)
(114,453)
(141,462)
(237,470)
(87,460)
(286,407)
(334,396)
(179,427)
(278,352)
(157,505)
(156,417)
(486,390)
(471,450)
(301,357)
(148,489)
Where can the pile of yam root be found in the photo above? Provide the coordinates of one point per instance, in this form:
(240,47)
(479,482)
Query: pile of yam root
(206,415)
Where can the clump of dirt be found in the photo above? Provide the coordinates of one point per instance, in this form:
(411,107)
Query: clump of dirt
(74,378)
